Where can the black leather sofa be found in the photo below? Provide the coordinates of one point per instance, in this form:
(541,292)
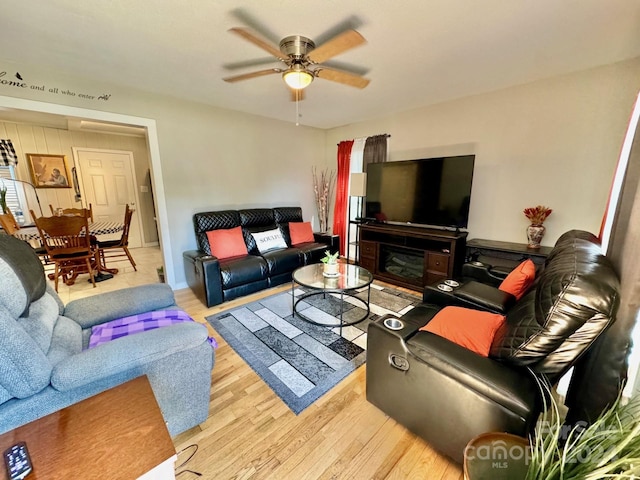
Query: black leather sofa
(215,281)
(448,394)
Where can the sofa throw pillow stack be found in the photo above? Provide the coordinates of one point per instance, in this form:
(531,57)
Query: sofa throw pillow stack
(300,232)
(226,243)
(520,279)
(469,328)
(269,240)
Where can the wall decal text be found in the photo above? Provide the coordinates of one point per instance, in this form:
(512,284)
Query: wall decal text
(17,81)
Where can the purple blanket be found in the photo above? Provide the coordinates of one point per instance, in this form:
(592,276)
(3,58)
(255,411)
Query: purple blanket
(138,323)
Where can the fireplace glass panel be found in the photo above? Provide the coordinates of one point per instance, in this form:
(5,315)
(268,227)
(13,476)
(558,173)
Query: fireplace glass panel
(402,262)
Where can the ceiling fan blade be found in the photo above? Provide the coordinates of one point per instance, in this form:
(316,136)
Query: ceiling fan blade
(342,77)
(247,76)
(338,44)
(263,44)
(256,62)
(297,95)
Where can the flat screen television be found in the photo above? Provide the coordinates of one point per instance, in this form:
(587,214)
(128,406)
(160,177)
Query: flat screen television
(431,192)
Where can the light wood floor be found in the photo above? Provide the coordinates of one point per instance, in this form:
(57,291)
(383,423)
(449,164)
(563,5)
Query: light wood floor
(252,434)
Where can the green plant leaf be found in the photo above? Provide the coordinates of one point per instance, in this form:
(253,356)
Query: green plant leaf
(608,448)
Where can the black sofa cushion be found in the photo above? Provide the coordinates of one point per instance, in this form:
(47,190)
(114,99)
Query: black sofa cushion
(256,220)
(283,261)
(243,269)
(284,215)
(204,222)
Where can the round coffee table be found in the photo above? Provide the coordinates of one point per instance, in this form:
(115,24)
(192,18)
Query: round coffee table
(349,279)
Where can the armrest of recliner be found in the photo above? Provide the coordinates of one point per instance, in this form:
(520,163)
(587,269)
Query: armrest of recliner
(90,311)
(513,388)
(203,276)
(484,273)
(476,294)
(485,376)
(445,393)
(471,294)
(126,353)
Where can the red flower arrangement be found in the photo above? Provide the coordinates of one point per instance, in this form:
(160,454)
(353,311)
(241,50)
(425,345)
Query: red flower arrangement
(537,215)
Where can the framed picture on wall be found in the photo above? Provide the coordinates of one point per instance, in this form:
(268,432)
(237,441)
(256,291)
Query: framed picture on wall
(48,171)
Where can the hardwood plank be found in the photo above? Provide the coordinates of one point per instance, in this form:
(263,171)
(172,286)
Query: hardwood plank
(412,455)
(251,434)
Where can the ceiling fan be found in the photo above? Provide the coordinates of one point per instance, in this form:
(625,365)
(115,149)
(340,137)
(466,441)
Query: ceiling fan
(303,60)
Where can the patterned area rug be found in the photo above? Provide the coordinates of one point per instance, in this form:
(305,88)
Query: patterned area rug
(298,360)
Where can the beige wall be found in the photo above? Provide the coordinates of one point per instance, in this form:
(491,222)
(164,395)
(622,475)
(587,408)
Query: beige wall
(210,158)
(37,139)
(553,142)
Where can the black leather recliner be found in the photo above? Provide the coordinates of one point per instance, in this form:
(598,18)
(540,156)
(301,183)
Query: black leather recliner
(448,395)
(215,281)
(477,288)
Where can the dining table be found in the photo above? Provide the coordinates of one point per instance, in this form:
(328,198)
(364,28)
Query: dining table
(30,233)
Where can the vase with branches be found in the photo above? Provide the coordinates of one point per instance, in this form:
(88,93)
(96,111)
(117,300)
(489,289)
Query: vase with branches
(323,184)
(536,215)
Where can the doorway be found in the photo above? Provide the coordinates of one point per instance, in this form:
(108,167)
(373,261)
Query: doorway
(108,182)
(154,154)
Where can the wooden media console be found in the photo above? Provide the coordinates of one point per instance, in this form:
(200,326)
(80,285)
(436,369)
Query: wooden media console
(411,256)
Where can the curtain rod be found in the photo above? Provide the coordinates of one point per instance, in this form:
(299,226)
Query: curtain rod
(385,134)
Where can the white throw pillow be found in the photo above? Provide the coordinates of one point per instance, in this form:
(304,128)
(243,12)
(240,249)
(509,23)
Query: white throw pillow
(269,240)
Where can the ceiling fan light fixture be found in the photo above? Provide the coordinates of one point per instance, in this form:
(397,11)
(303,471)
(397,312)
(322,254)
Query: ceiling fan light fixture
(304,60)
(297,77)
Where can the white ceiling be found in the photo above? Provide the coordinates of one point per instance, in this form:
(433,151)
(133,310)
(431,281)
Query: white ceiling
(419,52)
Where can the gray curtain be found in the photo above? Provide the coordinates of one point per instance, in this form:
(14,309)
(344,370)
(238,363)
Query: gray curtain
(375,150)
(599,376)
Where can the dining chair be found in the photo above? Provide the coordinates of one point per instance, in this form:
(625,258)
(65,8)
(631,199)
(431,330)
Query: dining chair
(122,243)
(68,245)
(10,226)
(83,212)
(8,223)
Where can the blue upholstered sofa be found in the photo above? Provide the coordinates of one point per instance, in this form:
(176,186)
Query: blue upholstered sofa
(45,364)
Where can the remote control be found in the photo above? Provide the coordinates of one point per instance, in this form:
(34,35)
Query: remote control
(17,461)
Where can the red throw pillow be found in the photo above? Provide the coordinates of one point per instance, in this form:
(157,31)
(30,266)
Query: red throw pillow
(520,279)
(472,329)
(300,232)
(227,243)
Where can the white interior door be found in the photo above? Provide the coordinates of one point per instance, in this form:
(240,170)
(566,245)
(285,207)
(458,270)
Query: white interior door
(107,181)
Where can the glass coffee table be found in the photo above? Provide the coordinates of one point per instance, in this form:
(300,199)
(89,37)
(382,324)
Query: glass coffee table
(346,283)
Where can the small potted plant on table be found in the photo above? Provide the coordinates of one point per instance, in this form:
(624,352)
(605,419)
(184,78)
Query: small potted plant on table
(331,267)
